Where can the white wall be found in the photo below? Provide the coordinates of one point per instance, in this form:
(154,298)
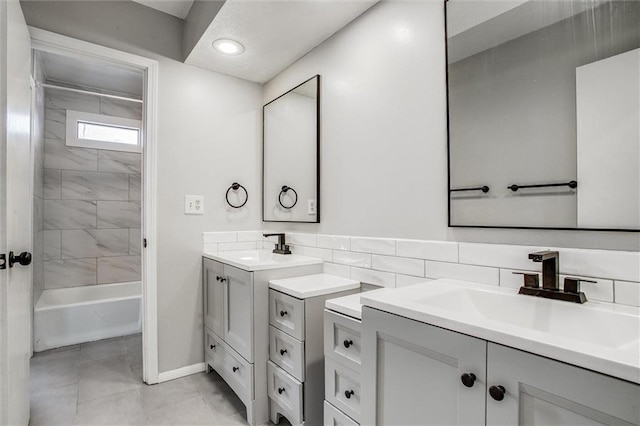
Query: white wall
(208,137)
(383,123)
(383,134)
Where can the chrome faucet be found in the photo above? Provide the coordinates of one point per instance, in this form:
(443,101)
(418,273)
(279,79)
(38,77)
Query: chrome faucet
(281,246)
(551,280)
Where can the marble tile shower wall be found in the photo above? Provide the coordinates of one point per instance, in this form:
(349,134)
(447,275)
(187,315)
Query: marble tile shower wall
(92,202)
(38,186)
(399,262)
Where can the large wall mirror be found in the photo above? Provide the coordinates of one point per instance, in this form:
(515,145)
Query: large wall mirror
(291,138)
(544,114)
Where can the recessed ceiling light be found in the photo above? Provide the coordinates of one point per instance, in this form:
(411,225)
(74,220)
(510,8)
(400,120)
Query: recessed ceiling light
(228,46)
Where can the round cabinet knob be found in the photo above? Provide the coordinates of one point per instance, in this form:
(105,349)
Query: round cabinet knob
(283,351)
(23,259)
(347,343)
(348,394)
(280,390)
(222,279)
(497,392)
(468,379)
(212,346)
(283,313)
(235,369)
(218,277)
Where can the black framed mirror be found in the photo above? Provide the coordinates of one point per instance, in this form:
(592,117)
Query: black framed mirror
(544,114)
(291,155)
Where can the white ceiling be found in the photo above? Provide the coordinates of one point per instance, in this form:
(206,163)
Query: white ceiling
(177,8)
(94,73)
(275,34)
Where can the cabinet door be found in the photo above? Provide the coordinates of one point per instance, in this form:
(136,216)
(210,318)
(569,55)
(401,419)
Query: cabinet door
(238,313)
(212,274)
(411,373)
(541,391)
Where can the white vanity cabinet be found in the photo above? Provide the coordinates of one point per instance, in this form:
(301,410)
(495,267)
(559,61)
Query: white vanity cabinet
(236,319)
(296,369)
(415,373)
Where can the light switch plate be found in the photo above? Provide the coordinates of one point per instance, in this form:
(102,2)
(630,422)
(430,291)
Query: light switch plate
(193,204)
(311,206)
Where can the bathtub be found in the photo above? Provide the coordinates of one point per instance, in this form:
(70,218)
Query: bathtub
(69,316)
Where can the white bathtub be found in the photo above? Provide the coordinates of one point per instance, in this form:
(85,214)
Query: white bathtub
(69,316)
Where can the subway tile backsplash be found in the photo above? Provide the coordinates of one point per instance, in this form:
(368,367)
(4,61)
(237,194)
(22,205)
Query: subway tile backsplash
(397,263)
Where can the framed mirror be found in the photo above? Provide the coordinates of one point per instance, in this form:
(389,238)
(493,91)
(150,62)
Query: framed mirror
(544,114)
(291,155)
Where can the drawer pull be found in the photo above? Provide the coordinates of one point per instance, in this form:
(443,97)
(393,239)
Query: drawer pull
(347,343)
(212,346)
(280,390)
(348,393)
(235,369)
(283,313)
(497,392)
(468,379)
(283,351)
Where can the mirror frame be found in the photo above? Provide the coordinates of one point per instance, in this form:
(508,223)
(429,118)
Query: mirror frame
(446,59)
(318,204)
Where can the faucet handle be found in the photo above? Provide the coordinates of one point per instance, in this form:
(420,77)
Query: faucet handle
(530,280)
(572,285)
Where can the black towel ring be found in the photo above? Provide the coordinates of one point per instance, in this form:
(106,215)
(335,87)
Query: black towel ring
(235,186)
(284,190)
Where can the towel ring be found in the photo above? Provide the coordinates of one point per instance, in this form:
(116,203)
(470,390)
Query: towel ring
(235,186)
(284,190)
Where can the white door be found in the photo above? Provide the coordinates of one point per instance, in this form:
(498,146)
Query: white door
(15,213)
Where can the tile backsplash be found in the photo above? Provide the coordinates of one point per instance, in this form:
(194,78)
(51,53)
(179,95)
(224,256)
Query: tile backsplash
(395,263)
(92,211)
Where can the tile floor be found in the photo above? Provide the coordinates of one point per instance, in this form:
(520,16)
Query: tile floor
(100,383)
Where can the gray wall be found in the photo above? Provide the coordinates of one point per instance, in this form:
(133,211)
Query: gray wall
(91,200)
(513,116)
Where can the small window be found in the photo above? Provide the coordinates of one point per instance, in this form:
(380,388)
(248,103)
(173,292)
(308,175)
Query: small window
(88,130)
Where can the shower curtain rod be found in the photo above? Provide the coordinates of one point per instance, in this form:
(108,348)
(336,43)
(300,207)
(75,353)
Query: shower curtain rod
(87,92)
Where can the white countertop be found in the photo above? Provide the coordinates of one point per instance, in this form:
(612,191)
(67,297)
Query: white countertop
(313,285)
(602,337)
(259,260)
(346,305)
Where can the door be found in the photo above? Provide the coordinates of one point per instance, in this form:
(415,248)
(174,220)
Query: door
(15,213)
(238,313)
(418,374)
(540,391)
(213,274)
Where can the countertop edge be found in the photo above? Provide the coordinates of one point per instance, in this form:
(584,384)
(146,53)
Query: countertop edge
(617,369)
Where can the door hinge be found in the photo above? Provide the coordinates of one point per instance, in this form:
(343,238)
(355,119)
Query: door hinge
(3,261)
(144,242)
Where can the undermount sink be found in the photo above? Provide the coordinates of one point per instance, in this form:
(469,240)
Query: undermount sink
(600,336)
(257,260)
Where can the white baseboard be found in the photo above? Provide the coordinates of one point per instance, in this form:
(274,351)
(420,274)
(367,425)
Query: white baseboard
(181,372)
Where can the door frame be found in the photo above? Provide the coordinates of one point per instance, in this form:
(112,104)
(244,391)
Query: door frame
(52,42)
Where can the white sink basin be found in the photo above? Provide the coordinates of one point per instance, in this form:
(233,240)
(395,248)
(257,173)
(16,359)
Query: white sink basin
(599,336)
(257,260)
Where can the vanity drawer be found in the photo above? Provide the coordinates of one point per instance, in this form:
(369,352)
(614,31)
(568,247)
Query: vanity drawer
(212,344)
(342,388)
(286,352)
(287,314)
(238,373)
(335,417)
(342,338)
(286,391)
